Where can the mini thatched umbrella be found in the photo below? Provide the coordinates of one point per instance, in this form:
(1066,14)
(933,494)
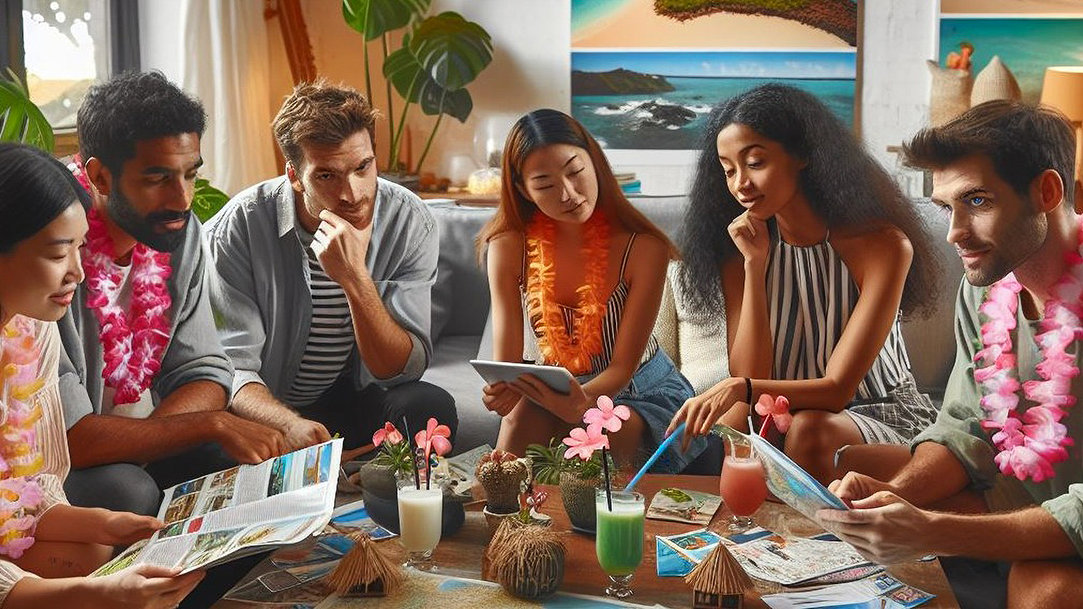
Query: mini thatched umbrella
(718,581)
(367,569)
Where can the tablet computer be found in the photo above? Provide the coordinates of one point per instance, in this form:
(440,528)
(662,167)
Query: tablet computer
(557,377)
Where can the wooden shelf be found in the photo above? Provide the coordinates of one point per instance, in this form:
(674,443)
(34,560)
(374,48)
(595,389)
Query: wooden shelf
(463,198)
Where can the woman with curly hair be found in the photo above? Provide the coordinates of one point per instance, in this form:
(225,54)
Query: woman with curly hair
(818,253)
(569,255)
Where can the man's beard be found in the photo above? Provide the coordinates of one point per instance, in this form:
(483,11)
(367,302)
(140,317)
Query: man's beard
(125,216)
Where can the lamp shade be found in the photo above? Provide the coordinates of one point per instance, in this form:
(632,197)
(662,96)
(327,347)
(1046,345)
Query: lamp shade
(1063,90)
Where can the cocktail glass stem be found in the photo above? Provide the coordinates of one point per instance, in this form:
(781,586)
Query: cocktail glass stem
(422,561)
(740,524)
(619,586)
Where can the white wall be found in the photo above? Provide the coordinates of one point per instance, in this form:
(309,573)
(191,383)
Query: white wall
(160,37)
(531,69)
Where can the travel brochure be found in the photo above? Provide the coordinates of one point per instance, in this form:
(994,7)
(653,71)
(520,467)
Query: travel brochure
(790,561)
(240,511)
(879,592)
(680,505)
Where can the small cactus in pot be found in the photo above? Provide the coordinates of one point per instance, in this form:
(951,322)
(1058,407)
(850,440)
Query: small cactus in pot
(503,475)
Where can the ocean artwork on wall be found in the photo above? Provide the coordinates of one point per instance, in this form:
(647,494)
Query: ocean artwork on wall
(714,23)
(646,73)
(661,100)
(1010,6)
(1026,45)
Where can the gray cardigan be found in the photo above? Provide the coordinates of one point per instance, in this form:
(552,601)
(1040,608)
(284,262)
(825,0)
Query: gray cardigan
(260,291)
(193,352)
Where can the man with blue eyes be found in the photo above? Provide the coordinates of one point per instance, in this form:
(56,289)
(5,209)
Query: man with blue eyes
(1007,445)
(144,379)
(321,283)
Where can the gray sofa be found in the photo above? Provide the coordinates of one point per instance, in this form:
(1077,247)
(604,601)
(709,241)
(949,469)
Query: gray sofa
(461,309)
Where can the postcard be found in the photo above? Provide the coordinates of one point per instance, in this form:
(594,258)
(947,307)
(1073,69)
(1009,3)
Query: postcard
(680,505)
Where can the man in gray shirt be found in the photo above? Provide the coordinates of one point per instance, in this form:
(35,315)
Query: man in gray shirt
(144,379)
(321,282)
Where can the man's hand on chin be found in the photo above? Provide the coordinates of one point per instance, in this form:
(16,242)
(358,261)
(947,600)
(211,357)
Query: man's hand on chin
(341,247)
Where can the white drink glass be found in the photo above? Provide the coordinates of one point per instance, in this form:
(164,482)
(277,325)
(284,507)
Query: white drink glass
(420,517)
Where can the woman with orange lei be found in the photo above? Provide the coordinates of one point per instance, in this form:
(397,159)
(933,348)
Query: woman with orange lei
(42,224)
(570,255)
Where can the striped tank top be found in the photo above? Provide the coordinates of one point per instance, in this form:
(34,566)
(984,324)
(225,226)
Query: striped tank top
(614,310)
(811,297)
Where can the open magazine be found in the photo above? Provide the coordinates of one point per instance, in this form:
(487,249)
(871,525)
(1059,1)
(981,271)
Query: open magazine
(785,479)
(240,511)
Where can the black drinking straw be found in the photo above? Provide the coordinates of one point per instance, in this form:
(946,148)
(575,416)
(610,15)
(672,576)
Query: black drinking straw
(608,491)
(413,453)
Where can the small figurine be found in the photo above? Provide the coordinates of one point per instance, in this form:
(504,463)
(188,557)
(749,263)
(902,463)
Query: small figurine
(718,581)
(368,569)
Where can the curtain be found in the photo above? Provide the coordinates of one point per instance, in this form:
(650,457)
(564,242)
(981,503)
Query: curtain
(224,63)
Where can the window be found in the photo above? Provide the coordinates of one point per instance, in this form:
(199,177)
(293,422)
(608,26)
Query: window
(62,47)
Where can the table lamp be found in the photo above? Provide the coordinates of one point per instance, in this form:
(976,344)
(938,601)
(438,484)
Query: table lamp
(1063,90)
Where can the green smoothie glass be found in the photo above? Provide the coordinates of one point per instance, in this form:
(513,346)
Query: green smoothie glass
(619,539)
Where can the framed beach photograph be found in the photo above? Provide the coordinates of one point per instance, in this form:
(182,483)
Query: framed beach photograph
(1046,7)
(1027,44)
(646,73)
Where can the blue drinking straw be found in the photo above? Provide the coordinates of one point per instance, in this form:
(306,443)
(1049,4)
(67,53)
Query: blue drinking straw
(657,453)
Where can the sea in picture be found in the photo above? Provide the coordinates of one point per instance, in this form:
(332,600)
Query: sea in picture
(1026,46)
(676,119)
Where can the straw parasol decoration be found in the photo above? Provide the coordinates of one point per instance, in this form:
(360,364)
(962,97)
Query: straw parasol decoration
(367,565)
(719,573)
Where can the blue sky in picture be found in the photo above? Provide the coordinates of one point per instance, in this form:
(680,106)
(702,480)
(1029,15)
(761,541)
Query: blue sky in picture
(725,64)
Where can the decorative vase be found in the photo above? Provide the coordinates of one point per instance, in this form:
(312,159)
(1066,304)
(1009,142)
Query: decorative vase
(528,559)
(578,497)
(379,489)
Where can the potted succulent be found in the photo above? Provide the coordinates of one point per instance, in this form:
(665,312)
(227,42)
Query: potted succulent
(438,56)
(394,466)
(503,476)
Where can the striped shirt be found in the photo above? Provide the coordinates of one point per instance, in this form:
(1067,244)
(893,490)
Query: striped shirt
(811,297)
(614,310)
(331,338)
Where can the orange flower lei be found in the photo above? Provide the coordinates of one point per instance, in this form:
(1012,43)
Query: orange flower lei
(572,350)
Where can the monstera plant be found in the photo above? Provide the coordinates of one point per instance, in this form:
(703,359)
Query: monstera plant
(20,118)
(439,55)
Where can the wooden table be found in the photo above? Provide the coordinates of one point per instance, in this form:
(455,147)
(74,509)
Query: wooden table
(462,554)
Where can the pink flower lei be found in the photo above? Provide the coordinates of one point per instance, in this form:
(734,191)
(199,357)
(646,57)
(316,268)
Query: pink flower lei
(20,458)
(132,341)
(1032,442)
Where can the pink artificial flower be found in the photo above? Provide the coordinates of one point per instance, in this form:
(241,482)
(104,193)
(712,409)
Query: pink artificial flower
(777,408)
(583,442)
(388,434)
(435,438)
(1023,463)
(606,415)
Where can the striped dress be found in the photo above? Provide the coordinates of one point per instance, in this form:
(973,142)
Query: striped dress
(811,296)
(614,310)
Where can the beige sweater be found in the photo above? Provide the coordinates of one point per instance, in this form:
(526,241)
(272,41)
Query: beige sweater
(52,440)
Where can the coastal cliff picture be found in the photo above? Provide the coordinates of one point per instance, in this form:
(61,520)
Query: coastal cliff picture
(646,73)
(651,100)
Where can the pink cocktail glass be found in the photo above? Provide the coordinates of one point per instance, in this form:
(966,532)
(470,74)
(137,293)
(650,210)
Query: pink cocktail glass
(742,484)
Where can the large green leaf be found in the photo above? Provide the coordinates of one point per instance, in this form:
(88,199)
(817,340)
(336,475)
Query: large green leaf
(208,200)
(21,120)
(374,18)
(452,50)
(416,86)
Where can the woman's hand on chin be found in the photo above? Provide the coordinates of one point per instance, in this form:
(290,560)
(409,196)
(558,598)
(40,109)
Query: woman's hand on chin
(750,236)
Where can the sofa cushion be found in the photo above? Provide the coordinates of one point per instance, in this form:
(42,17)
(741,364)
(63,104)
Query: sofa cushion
(450,369)
(695,342)
(460,296)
